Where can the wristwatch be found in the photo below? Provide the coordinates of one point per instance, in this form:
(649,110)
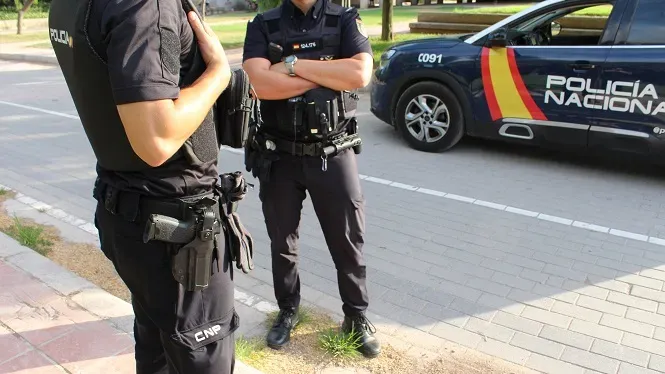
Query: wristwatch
(289,61)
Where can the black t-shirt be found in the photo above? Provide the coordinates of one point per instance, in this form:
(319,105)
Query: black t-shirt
(352,40)
(147,45)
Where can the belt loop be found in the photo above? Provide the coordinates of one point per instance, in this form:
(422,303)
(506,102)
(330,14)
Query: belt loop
(110,199)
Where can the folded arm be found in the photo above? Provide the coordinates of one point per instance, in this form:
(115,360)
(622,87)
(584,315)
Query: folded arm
(274,85)
(344,74)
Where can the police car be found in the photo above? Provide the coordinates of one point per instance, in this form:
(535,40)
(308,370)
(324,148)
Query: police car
(526,80)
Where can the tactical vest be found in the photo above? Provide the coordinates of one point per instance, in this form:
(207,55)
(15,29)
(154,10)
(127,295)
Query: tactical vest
(86,74)
(320,43)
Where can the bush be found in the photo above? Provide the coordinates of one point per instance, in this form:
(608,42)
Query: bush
(268,4)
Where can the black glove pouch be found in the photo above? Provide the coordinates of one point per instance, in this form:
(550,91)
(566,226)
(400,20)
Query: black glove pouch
(233,110)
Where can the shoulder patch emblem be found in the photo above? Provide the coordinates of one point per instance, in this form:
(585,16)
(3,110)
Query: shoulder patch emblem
(361,27)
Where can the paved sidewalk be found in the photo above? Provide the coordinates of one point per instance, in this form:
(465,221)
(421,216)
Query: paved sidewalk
(52,321)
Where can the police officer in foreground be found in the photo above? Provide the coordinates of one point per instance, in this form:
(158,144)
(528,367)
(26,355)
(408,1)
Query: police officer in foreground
(144,76)
(303,59)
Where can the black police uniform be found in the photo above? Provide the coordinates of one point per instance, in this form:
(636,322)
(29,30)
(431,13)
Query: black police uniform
(115,52)
(294,165)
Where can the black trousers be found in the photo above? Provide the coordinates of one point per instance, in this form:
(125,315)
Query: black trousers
(176,331)
(338,200)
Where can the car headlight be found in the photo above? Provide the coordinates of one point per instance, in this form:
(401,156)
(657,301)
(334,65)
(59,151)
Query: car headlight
(385,57)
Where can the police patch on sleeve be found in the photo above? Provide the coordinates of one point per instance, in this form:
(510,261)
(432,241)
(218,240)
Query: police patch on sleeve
(361,27)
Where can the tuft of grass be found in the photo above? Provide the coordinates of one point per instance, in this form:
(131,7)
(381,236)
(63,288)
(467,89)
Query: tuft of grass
(250,351)
(31,236)
(3,192)
(339,344)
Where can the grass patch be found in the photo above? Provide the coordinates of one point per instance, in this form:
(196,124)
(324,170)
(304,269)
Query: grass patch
(12,14)
(250,351)
(339,344)
(30,235)
(595,11)
(25,37)
(231,35)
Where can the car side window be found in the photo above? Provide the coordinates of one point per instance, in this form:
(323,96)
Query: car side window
(647,26)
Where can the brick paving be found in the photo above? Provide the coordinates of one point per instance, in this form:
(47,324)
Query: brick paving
(52,321)
(549,296)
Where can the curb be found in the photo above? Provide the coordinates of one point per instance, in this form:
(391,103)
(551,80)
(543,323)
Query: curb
(22,57)
(74,288)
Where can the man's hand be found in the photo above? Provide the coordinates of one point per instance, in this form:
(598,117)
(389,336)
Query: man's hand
(211,49)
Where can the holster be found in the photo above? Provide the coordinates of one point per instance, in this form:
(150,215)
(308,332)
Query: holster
(233,110)
(191,264)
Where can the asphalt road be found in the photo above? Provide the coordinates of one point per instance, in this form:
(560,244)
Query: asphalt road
(509,234)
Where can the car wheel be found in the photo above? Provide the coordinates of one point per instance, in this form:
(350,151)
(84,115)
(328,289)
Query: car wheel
(430,117)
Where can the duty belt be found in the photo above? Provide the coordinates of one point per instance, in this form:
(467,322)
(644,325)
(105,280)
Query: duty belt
(297,148)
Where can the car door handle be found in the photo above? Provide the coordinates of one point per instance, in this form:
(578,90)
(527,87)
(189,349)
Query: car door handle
(582,65)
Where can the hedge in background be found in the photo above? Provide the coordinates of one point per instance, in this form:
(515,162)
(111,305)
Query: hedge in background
(268,4)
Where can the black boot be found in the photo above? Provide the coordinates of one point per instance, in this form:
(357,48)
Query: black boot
(364,330)
(280,334)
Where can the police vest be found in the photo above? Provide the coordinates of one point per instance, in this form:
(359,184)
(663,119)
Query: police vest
(86,75)
(320,43)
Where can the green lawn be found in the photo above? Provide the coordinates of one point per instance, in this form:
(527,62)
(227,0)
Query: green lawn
(379,46)
(231,35)
(25,37)
(597,11)
(6,14)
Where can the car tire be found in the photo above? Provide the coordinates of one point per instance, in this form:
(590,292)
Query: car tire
(427,133)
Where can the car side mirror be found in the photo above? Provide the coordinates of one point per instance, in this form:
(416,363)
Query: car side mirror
(556,28)
(498,38)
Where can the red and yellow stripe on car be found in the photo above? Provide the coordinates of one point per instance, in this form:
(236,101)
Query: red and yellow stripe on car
(506,93)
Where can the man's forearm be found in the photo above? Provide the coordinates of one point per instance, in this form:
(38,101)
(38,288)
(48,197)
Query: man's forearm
(345,74)
(195,101)
(270,85)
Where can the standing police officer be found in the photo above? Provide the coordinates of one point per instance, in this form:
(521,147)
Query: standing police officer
(302,59)
(144,77)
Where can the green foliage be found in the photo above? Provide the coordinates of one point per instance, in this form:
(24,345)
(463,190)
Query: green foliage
(268,4)
(31,236)
(250,351)
(339,344)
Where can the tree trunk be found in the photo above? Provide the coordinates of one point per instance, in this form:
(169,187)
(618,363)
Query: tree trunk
(21,13)
(19,23)
(387,20)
